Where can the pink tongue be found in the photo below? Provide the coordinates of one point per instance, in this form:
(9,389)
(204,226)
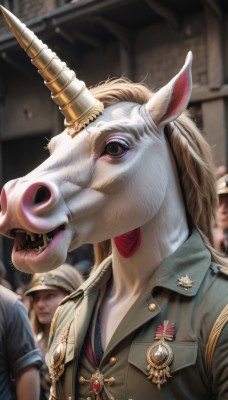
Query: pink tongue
(128,243)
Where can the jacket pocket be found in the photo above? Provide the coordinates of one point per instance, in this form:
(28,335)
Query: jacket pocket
(184,355)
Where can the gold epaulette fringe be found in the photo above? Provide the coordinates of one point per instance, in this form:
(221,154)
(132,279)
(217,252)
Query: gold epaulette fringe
(53,323)
(52,396)
(214,335)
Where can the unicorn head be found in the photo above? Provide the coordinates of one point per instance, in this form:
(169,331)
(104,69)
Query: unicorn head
(115,181)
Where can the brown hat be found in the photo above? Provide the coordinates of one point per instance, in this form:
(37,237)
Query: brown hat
(65,277)
(222,185)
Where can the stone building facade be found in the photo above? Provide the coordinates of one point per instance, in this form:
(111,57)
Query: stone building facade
(145,40)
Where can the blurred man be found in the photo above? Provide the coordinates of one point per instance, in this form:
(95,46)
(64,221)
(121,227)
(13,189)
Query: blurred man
(221,230)
(20,360)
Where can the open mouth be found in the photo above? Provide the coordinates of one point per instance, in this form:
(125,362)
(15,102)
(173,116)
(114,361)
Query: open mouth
(38,242)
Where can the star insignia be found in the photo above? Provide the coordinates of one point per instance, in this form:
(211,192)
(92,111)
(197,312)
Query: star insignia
(185,281)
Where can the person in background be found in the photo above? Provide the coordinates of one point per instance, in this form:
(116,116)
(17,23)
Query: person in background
(3,280)
(47,290)
(220,171)
(221,229)
(20,360)
(26,300)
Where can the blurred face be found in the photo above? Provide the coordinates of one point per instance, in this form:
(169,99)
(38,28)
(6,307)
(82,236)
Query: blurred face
(45,303)
(222,212)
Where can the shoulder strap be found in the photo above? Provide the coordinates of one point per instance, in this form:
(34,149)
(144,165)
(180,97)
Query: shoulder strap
(214,335)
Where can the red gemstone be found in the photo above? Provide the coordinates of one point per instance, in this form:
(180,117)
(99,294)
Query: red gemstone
(96,386)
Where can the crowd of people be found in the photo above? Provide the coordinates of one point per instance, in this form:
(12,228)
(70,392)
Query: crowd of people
(221,227)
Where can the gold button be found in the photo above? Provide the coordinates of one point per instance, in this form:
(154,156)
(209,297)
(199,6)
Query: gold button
(82,380)
(111,381)
(152,307)
(112,360)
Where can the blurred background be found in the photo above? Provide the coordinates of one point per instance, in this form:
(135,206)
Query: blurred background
(144,40)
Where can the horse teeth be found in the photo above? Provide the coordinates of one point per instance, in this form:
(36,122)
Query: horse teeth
(45,241)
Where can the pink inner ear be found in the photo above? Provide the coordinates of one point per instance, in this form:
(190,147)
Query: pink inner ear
(180,96)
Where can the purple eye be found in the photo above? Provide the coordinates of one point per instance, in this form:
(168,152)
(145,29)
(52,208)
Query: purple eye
(115,148)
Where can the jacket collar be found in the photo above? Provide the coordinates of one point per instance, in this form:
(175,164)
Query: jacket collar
(192,259)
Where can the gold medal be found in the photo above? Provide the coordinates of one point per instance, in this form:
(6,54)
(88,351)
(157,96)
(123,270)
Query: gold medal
(58,356)
(160,355)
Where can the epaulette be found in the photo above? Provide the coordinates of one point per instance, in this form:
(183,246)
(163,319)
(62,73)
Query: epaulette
(224,270)
(220,269)
(71,296)
(53,323)
(217,328)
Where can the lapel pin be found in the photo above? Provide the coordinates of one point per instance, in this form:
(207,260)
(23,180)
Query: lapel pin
(185,281)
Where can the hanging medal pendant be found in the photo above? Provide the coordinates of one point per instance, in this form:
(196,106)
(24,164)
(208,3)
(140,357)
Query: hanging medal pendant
(160,355)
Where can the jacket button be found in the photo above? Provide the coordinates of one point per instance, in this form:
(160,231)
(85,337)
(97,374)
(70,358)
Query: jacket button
(111,381)
(112,360)
(82,380)
(152,307)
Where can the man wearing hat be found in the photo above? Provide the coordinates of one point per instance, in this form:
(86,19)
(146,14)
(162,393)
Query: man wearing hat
(221,230)
(47,290)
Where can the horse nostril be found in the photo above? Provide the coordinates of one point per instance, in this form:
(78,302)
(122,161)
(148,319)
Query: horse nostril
(3,201)
(43,194)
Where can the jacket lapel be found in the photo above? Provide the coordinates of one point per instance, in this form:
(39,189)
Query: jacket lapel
(139,314)
(90,292)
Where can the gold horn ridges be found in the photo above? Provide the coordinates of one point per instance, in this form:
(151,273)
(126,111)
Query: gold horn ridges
(75,101)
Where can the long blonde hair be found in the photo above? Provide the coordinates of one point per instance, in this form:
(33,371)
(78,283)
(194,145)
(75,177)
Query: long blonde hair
(193,158)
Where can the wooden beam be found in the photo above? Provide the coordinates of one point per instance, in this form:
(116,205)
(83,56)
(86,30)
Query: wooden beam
(95,44)
(203,93)
(64,35)
(17,66)
(126,62)
(164,12)
(124,35)
(215,7)
(214,121)
(214,49)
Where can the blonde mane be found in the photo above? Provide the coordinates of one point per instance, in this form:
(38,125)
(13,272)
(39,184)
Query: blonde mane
(193,159)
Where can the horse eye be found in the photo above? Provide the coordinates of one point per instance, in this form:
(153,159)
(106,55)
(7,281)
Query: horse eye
(115,149)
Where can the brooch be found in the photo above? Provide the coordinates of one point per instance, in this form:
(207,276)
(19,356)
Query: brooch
(160,355)
(97,382)
(58,356)
(185,281)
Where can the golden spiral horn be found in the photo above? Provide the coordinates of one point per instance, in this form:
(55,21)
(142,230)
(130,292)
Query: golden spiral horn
(75,101)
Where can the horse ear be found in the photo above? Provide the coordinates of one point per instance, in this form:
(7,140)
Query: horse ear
(171,100)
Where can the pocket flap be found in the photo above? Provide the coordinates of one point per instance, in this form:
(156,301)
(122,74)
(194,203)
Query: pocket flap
(184,355)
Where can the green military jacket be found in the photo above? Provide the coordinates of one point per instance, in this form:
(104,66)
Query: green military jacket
(188,290)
